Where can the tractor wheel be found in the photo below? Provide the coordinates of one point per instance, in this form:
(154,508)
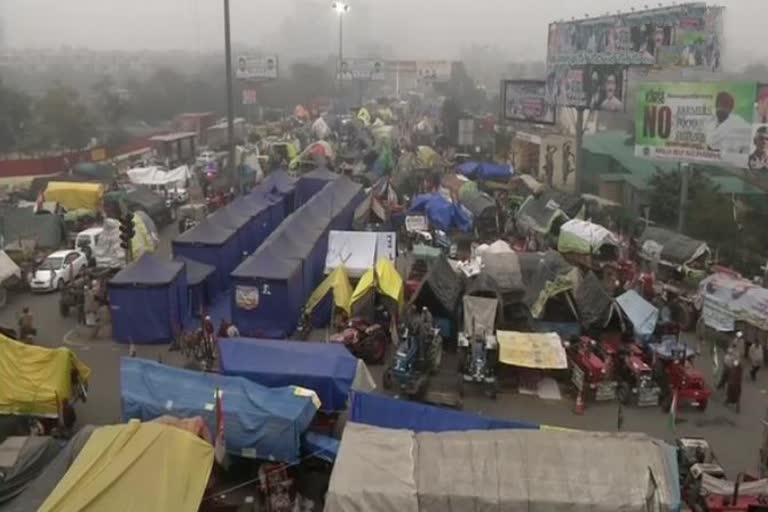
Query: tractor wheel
(624,393)
(491,390)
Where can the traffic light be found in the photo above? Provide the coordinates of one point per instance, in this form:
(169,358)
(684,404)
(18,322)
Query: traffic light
(127,230)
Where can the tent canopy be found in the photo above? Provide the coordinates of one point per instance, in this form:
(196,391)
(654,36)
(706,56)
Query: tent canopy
(120,464)
(196,272)
(265,263)
(326,368)
(383,470)
(205,233)
(337,282)
(545,275)
(594,304)
(486,171)
(640,312)
(584,237)
(159,176)
(540,214)
(440,290)
(670,247)
(358,251)
(148,270)
(258,422)
(386,281)
(74,195)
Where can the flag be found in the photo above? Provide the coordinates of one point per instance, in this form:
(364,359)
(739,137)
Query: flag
(219,444)
(673,411)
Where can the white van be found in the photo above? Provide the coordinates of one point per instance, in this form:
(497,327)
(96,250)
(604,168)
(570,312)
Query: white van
(88,238)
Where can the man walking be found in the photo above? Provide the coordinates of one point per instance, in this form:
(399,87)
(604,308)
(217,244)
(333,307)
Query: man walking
(755,359)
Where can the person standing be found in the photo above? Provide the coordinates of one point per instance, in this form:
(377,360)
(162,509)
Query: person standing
(733,389)
(26,325)
(728,362)
(755,359)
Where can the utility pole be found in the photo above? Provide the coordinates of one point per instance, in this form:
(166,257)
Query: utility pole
(578,179)
(230,101)
(340,8)
(683,170)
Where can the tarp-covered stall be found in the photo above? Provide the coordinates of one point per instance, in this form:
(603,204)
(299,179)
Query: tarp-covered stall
(584,237)
(326,368)
(550,282)
(259,422)
(440,292)
(20,227)
(149,301)
(312,182)
(261,223)
(22,459)
(282,185)
(201,288)
(213,245)
(267,294)
(160,176)
(596,308)
(335,291)
(640,312)
(382,470)
(126,466)
(670,248)
(74,195)
(540,214)
(231,217)
(386,412)
(35,378)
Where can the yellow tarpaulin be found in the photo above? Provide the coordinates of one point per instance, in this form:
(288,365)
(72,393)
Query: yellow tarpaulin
(426,157)
(142,241)
(387,281)
(137,466)
(32,377)
(542,351)
(364,116)
(74,195)
(338,282)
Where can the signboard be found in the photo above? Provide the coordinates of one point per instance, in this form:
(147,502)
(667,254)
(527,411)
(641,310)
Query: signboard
(606,86)
(708,122)
(386,245)
(247,297)
(466,132)
(565,86)
(414,223)
(249,96)
(527,100)
(434,70)
(361,69)
(682,36)
(257,68)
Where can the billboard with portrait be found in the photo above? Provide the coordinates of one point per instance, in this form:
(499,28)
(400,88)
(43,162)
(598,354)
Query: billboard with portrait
(681,36)
(361,69)
(606,86)
(565,87)
(257,67)
(528,101)
(434,70)
(708,122)
(758,153)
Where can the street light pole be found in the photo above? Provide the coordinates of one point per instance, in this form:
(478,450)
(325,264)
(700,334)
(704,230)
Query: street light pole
(230,100)
(340,8)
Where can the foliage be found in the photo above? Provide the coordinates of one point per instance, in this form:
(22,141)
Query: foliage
(62,118)
(15,113)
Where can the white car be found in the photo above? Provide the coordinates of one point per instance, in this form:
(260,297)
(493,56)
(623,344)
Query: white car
(58,269)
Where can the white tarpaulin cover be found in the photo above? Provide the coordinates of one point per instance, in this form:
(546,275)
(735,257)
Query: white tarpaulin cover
(640,312)
(158,176)
(539,350)
(479,315)
(382,470)
(729,298)
(8,268)
(358,250)
(584,237)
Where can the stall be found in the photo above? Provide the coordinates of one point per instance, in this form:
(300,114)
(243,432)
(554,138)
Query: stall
(212,245)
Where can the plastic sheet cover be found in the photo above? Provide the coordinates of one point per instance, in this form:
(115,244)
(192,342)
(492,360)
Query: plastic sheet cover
(728,298)
(542,351)
(479,315)
(258,422)
(381,470)
(640,312)
(126,467)
(584,237)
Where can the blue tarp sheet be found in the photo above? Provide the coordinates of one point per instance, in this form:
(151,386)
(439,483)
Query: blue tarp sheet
(201,285)
(326,368)
(387,412)
(212,245)
(279,181)
(486,171)
(229,218)
(640,312)
(441,213)
(311,183)
(259,422)
(149,301)
(320,446)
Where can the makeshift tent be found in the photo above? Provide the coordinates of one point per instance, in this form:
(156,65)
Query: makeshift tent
(290,244)
(334,292)
(481,206)
(22,459)
(442,213)
(505,269)
(21,226)
(486,171)
(138,198)
(201,287)
(729,298)
(440,290)
(670,248)
(357,251)
(385,412)
(541,215)
(159,176)
(35,378)
(259,422)
(479,315)
(596,308)
(546,275)
(258,228)
(212,245)
(484,286)
(281,183)
(8,268)
(584,237)
(386,281)
(541,351)
(383,470)
(238,221)
(38,490)
(148,299)
(328,369)
(120,464)
(641,313)
(311,183)
(267,294)
(74,195)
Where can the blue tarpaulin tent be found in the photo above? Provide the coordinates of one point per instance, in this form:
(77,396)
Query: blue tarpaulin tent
(267,294)
(238,221)
(387,412)
(200,284)
(212,245)
(148,300)
(326,368)
(643,315)
(321,446)
(259,422)
(486,171)
(294,246)
(282,185)
(260,225)
(311,183)
(442,213)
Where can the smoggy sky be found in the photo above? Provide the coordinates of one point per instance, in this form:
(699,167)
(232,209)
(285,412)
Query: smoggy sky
(409,28)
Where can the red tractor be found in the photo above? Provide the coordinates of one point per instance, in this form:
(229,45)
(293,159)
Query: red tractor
(678,376)
(635,381)
(591,370)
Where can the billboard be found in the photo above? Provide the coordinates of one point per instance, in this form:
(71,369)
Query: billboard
(708,122)
(606,86)
(249,96)
(434,70)
(566,87)
(257,68)
(527,100)
(681,36)
(361,69)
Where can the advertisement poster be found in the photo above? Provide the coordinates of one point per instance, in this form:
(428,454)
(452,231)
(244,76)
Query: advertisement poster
(257,68)
(708,122)
(361,69)
(527,100)
(606,86)
(565,87)
(247,297)
(249,96)
(682,36)
(434,70)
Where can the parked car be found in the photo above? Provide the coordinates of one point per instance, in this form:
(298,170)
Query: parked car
(56,270)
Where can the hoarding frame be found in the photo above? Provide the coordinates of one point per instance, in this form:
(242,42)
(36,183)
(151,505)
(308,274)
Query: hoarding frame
(546,99)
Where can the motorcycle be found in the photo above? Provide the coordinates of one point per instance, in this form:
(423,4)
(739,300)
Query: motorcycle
(368,341)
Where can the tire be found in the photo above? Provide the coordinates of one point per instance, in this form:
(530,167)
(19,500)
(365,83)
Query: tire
(60,285)
(491,390)
(703,405)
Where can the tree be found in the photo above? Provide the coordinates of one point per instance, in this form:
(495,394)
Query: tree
(63,119)
(15,114)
